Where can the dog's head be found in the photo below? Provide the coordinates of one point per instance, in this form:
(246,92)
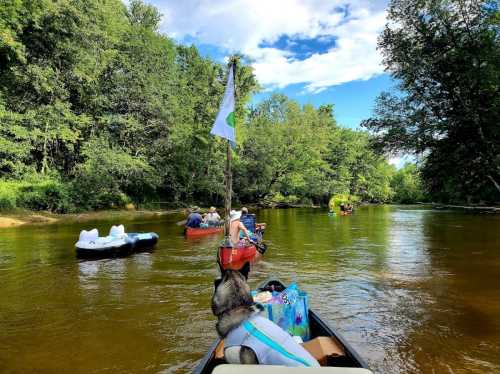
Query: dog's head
(231,291)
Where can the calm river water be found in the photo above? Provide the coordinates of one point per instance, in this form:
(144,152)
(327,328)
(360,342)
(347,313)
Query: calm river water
(414,290)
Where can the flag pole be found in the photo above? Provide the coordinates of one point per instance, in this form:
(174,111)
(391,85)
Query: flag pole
(229,185)
(229,176)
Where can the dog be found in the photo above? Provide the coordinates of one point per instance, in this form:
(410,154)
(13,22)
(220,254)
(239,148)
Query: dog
(250,338)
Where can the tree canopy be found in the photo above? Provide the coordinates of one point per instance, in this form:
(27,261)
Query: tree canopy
(445,55)
(99,108)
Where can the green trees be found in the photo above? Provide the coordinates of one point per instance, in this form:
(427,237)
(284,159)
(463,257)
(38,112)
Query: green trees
(407,186)
(98,109)
(280,150)
(445,55)
(299,154)
(94,96)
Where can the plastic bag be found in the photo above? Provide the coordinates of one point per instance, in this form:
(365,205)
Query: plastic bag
(289,310)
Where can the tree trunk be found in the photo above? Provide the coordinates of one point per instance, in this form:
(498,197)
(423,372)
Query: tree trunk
(44,158)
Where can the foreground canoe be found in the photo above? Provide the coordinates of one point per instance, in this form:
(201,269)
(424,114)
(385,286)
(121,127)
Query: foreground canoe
(199,231)
(349,361)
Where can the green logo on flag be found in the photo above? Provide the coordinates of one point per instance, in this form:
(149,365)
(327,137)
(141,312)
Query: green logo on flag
(230,119)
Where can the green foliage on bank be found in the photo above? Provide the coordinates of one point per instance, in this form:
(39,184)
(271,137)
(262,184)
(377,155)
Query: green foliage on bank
(98,109)
(42,193)
(407,185)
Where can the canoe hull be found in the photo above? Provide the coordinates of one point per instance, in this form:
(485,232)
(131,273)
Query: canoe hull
(191,232)
(234,258)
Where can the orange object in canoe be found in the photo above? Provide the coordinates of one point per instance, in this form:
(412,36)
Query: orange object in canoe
(234,258)
(198,231)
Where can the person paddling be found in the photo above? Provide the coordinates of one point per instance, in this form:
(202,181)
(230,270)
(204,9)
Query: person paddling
(235,226)
(194,219)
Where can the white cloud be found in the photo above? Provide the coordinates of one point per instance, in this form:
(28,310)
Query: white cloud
(243,25)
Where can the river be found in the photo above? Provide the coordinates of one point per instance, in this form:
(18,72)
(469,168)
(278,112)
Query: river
(414,290)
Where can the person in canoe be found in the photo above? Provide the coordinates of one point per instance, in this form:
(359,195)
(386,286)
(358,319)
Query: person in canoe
(342,209)
(256,230)
(236,226)
(194,219)
(349,209)
(212,218)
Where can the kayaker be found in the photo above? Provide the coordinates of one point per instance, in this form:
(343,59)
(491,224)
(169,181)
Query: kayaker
(212,218)
(236,226)
(349,208)
(194,219)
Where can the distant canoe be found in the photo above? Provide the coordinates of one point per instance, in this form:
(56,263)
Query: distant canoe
(199,231)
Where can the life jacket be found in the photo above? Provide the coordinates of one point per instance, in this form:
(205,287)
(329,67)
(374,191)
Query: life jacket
(249,221)
(271,344)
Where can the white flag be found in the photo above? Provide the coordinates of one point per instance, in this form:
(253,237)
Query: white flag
(224,125)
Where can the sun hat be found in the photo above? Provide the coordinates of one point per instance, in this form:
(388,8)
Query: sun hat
(244,210)
(212,209)
(234,215)
(195,209)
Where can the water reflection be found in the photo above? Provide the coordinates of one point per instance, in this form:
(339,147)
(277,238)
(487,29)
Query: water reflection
(414,291)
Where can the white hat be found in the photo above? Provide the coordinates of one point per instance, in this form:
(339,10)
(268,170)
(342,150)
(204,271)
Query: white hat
(234,215)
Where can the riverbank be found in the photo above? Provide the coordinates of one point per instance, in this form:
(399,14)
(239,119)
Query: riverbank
(24,217)
(475,208)
(32,218)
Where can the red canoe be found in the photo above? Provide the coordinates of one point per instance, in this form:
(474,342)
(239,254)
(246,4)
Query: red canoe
(234,258)
(198,231)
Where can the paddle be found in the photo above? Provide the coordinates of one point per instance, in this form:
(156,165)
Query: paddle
(182,223)
(261,247)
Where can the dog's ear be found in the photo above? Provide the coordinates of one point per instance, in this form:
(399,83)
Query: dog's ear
(245,270)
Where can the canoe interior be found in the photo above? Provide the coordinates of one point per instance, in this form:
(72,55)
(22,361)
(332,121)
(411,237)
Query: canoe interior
(318,328)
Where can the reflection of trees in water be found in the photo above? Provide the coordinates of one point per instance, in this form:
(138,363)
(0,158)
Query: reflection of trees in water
(345,264)
(459,329)
(103,280)
(390,310)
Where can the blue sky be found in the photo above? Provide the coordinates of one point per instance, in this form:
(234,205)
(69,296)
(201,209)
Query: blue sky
(353,101)
(314,51)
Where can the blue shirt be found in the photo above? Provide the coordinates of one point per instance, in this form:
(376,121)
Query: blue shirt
(194,220)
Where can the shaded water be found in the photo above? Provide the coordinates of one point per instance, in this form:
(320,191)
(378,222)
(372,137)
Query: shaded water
(413,290)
